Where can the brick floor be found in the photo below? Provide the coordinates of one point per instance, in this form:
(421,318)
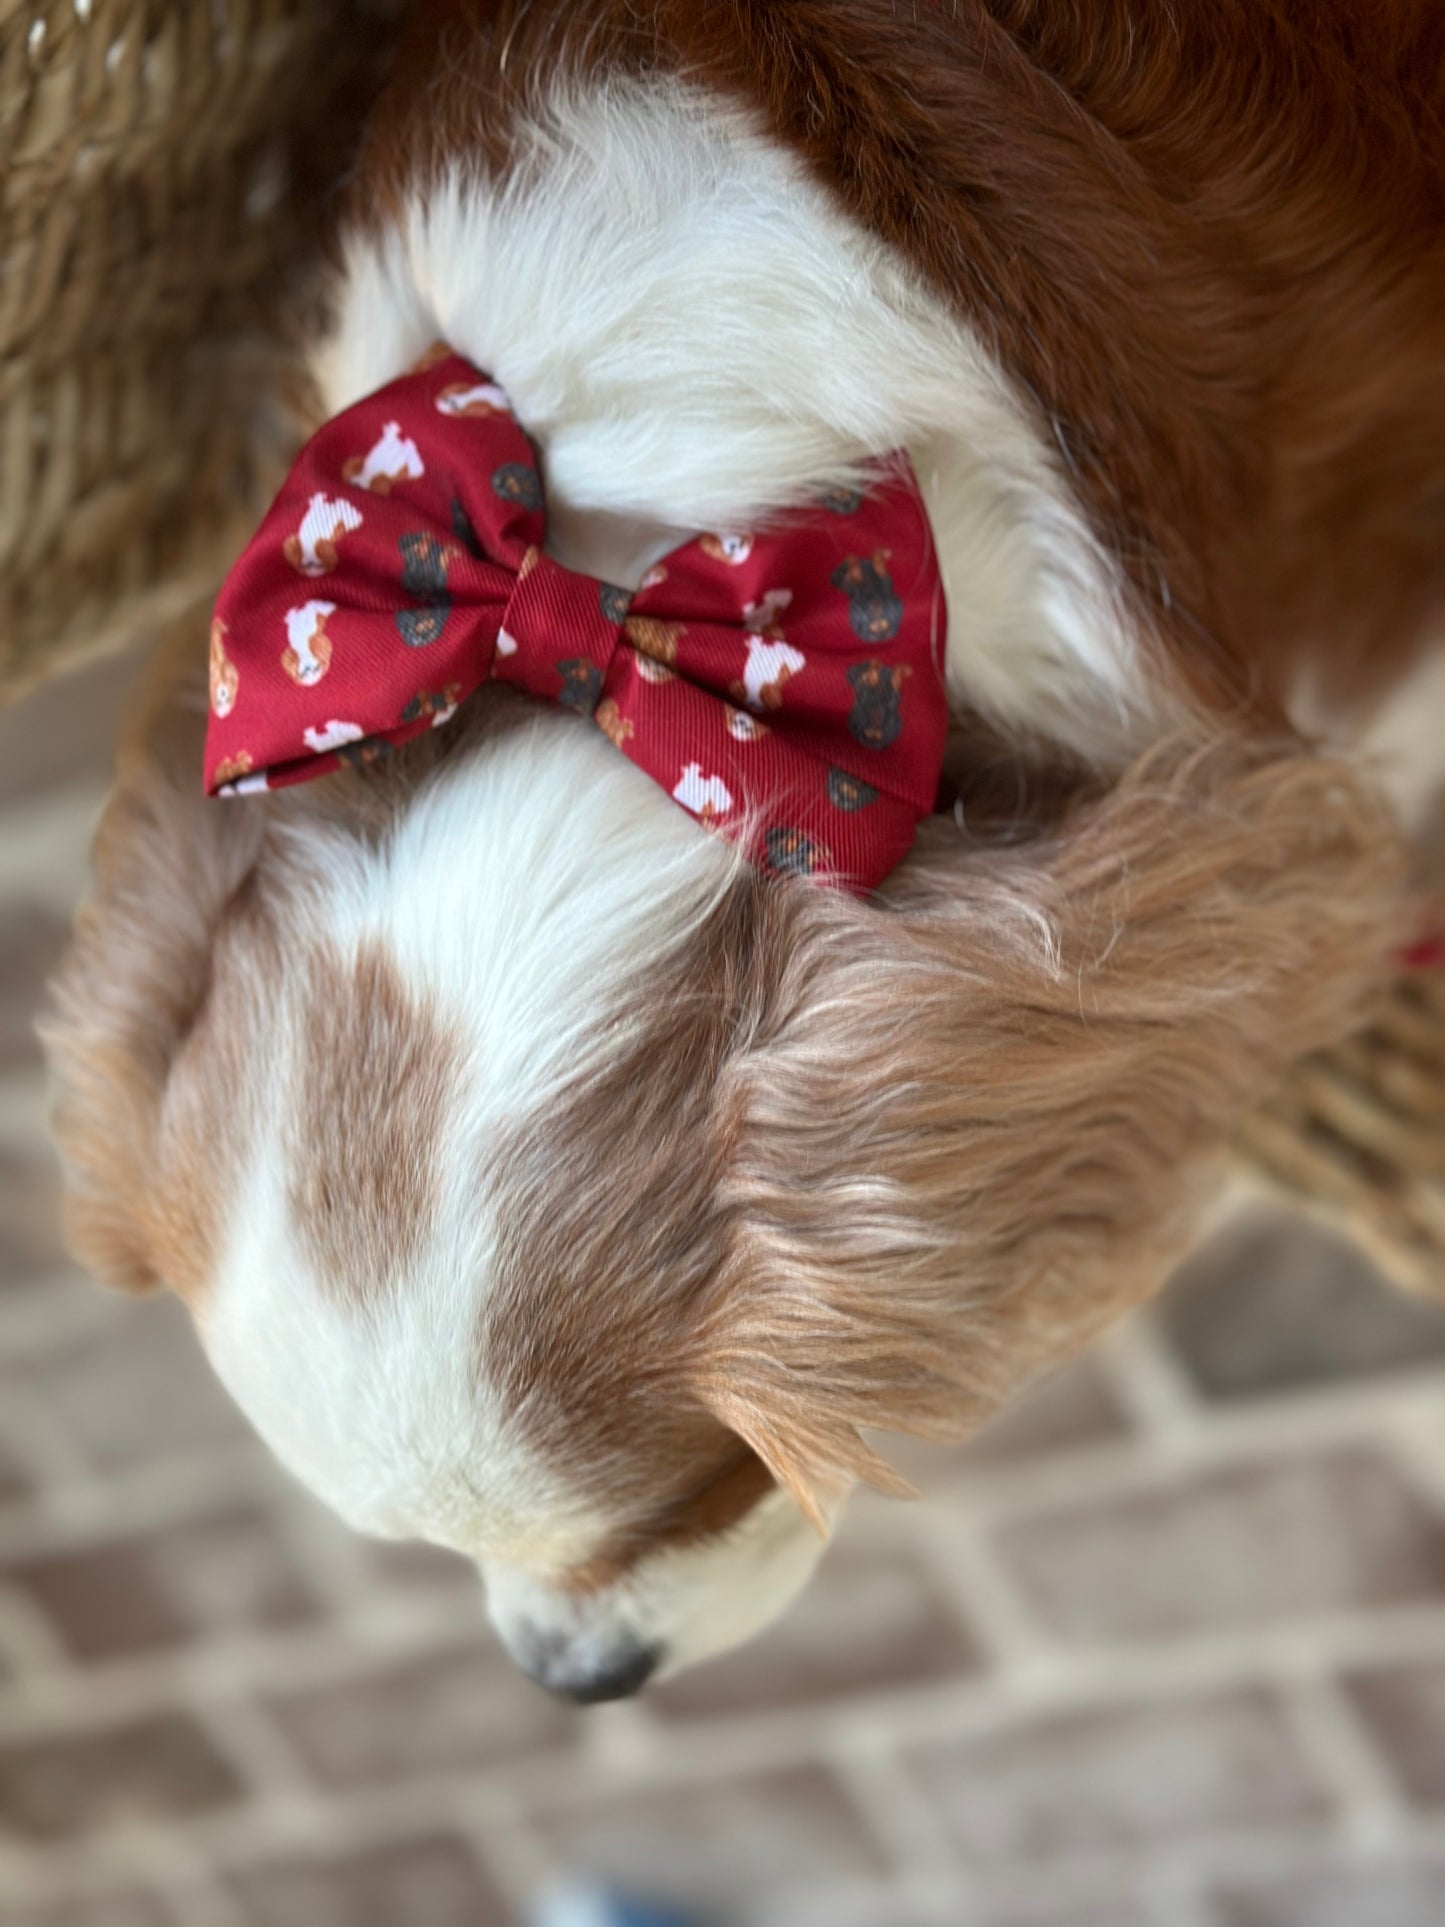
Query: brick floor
(1164,1647)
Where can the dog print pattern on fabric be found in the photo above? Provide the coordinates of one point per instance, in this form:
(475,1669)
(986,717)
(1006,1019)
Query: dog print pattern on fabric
(392,457)
(307,655)
(313,549)
(449,556)
(874,610)
(225,677)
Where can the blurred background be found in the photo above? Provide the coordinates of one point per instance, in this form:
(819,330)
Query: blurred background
(1165,1647)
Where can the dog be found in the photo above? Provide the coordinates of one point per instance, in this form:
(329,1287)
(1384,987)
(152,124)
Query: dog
(307,655)
(545,1181)
(770,665)
(312,550)
(392,458)
(225,678)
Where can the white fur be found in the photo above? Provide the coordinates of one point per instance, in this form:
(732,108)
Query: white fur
(722,1592)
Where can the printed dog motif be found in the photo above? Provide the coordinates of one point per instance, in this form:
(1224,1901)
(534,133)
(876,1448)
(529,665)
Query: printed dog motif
(732,549)
(650,637)
(394,457)
(440,705)
(841,501)
(225,676)
(651,670)
(312,549)
(877,715)
(231,768)
(424,566)
(369,749)
(613,602)
(463,530)
(708,797)
(769,665)
(517,482)
(792,854)
(849,792)
(581,685)
(874,609)
(332,735)
(744,728)
(473,399)
(307,656)
(763,615)
(614,725)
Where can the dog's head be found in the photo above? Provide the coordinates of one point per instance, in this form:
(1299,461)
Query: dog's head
(547,1185)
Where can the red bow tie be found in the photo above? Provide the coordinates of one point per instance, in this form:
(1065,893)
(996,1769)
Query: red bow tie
(785,687)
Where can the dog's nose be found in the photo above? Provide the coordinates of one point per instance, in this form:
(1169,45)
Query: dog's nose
(617,1681)
(589,1683)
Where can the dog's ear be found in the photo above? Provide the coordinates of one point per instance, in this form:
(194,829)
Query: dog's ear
(976,1125)
(127,1000)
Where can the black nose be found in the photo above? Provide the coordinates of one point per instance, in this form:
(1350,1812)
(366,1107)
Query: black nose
(619,1679)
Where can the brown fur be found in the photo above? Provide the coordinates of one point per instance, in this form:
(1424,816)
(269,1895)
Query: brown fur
(149,1032)
(875,1169)
(189,947)
(365,1147)
(1208,242)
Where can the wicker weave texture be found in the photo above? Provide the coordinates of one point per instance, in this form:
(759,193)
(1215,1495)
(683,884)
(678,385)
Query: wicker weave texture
(157,161)
(1358,1135)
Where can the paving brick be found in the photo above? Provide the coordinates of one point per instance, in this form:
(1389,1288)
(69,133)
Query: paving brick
(200,1578)
(431,1882)
(31,940)
(158,1767)
(129,1909)
(1104,1913)
(1277,1304)
(15,1479)
(1404,1708)
(53,740)
(136,1387)
(30,1243)
(1066,1412)
(1120,1778)
(719,1841)
(966,1907)
(1380,1896)
(1239,1546)
(872,1619)
(410,1567)
(460,1709)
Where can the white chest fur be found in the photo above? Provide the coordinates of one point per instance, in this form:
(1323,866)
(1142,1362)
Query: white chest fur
(693,335)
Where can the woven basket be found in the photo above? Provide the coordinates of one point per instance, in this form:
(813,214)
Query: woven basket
(1357,1135)
(162,168)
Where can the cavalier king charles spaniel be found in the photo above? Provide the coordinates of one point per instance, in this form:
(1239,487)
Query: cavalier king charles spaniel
(552,1183)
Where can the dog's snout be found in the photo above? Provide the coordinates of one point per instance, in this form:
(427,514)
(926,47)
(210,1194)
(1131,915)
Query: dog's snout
(589,1681)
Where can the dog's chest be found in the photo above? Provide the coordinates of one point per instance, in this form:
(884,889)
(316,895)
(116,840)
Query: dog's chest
(695,337)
